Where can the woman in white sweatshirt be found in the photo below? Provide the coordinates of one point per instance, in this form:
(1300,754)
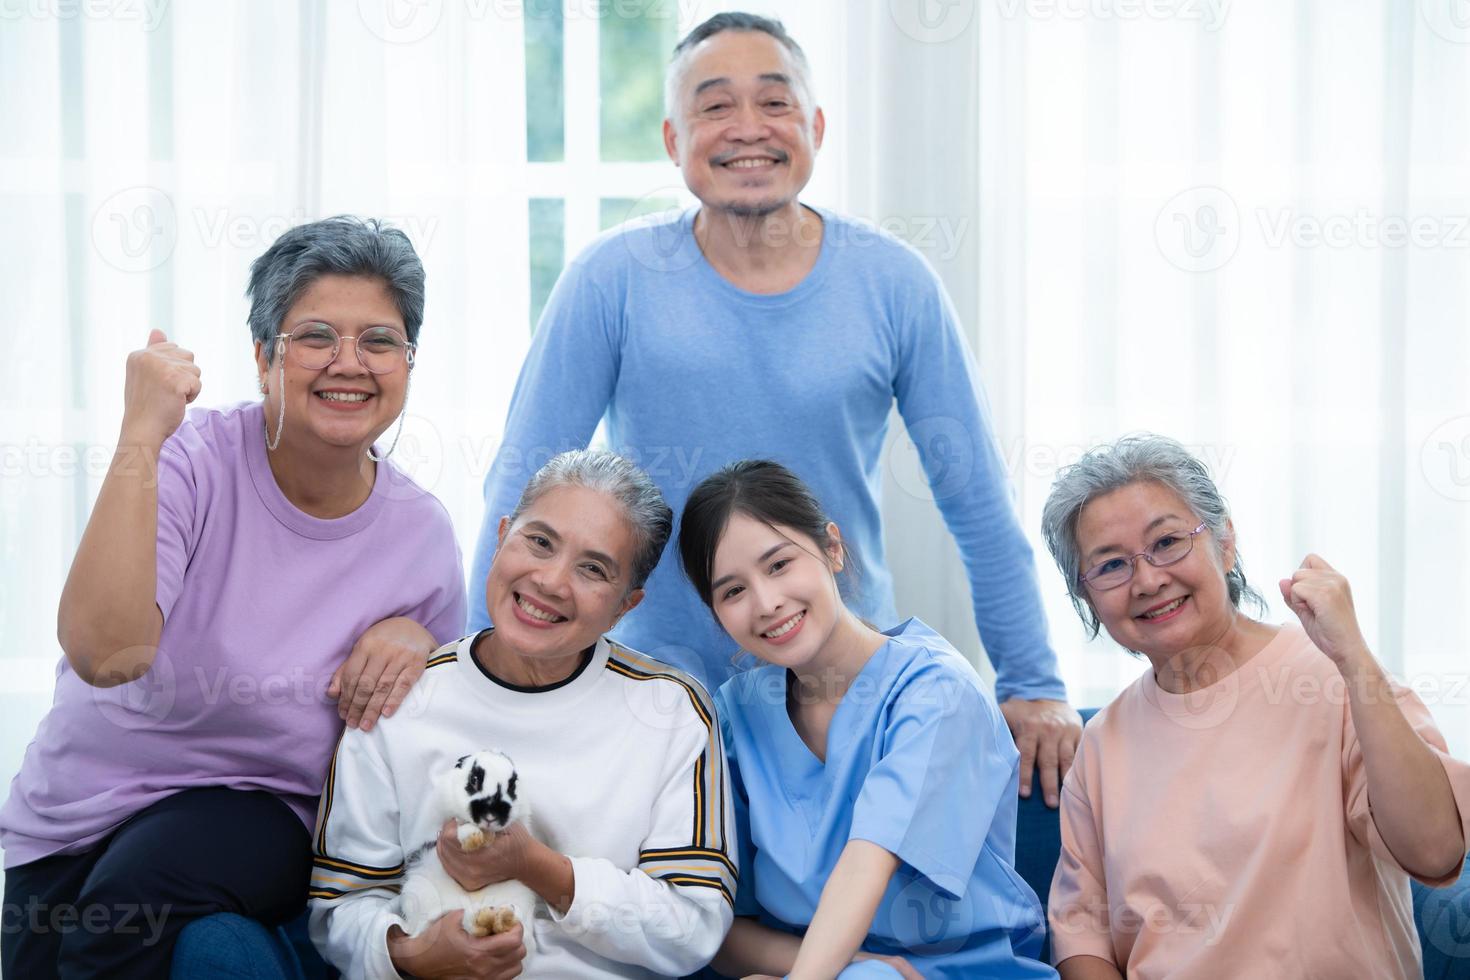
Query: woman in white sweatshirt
(618,755)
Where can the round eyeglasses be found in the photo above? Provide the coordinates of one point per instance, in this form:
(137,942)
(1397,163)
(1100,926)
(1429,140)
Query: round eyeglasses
(1113,572)
(380,350)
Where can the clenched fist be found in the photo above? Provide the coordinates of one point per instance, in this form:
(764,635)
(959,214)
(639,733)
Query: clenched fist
(162,380)
(1321,599)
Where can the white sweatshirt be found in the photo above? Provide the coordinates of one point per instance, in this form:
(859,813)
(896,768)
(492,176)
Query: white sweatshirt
(624,769)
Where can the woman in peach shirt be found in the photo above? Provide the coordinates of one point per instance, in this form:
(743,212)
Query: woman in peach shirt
(1253,805)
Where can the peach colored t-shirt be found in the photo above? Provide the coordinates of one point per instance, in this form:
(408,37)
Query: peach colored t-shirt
(1227,832)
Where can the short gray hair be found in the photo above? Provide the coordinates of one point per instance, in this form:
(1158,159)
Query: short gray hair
(1133,459)
(650,517)
(730,21)
(345,246)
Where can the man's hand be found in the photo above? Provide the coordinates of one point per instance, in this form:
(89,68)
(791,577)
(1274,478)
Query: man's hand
(445,950)
(1046,734)
(384,664)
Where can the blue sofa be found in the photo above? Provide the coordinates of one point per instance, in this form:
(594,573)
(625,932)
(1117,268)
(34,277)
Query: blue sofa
(231,946)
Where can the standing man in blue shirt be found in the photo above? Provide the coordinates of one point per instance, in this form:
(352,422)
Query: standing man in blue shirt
(757,326)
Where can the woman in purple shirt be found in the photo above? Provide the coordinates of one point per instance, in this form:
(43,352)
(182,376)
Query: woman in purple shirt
(216,620)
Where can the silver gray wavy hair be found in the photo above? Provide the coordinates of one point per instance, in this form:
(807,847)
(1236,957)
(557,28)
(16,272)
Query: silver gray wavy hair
(650,517)
(345,246)
(1133,459)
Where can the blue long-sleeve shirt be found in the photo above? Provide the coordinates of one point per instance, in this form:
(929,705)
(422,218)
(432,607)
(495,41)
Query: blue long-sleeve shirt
(693,372)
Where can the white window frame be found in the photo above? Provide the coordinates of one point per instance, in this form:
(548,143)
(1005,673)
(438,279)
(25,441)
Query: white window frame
(582,179)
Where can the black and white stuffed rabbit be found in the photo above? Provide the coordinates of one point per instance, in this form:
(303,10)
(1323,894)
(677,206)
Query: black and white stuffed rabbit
(480,793)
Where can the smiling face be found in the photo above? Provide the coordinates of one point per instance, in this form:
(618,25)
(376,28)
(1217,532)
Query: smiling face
(342,404)
(742,131)
(561,572)
(1160,612)
(774,590)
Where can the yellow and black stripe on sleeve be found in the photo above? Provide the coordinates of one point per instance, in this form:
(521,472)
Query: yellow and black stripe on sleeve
(692,867)
(332,878)
(705,862)
(447,654)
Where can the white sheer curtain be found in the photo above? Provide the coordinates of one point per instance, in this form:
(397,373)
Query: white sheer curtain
(1301,321)
(149,153)
(1246,226)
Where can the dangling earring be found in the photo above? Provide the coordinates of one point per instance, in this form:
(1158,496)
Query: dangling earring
(407,387)
(281,393)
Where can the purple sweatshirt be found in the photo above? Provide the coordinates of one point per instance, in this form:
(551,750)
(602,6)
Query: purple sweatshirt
(261,603)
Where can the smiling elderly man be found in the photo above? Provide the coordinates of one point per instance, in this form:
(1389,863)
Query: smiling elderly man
(757,326)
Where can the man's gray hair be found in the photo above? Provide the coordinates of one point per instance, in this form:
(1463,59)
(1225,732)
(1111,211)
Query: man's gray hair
(650,517)
(1133,459)
(343,246)
(730,21)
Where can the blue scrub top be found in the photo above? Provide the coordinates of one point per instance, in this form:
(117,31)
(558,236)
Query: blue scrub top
(919,762)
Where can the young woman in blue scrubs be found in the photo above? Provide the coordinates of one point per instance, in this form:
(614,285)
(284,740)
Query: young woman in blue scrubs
(873,775)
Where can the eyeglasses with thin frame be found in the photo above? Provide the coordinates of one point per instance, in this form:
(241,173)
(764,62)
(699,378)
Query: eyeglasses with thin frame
(380,350)
(1118,570)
